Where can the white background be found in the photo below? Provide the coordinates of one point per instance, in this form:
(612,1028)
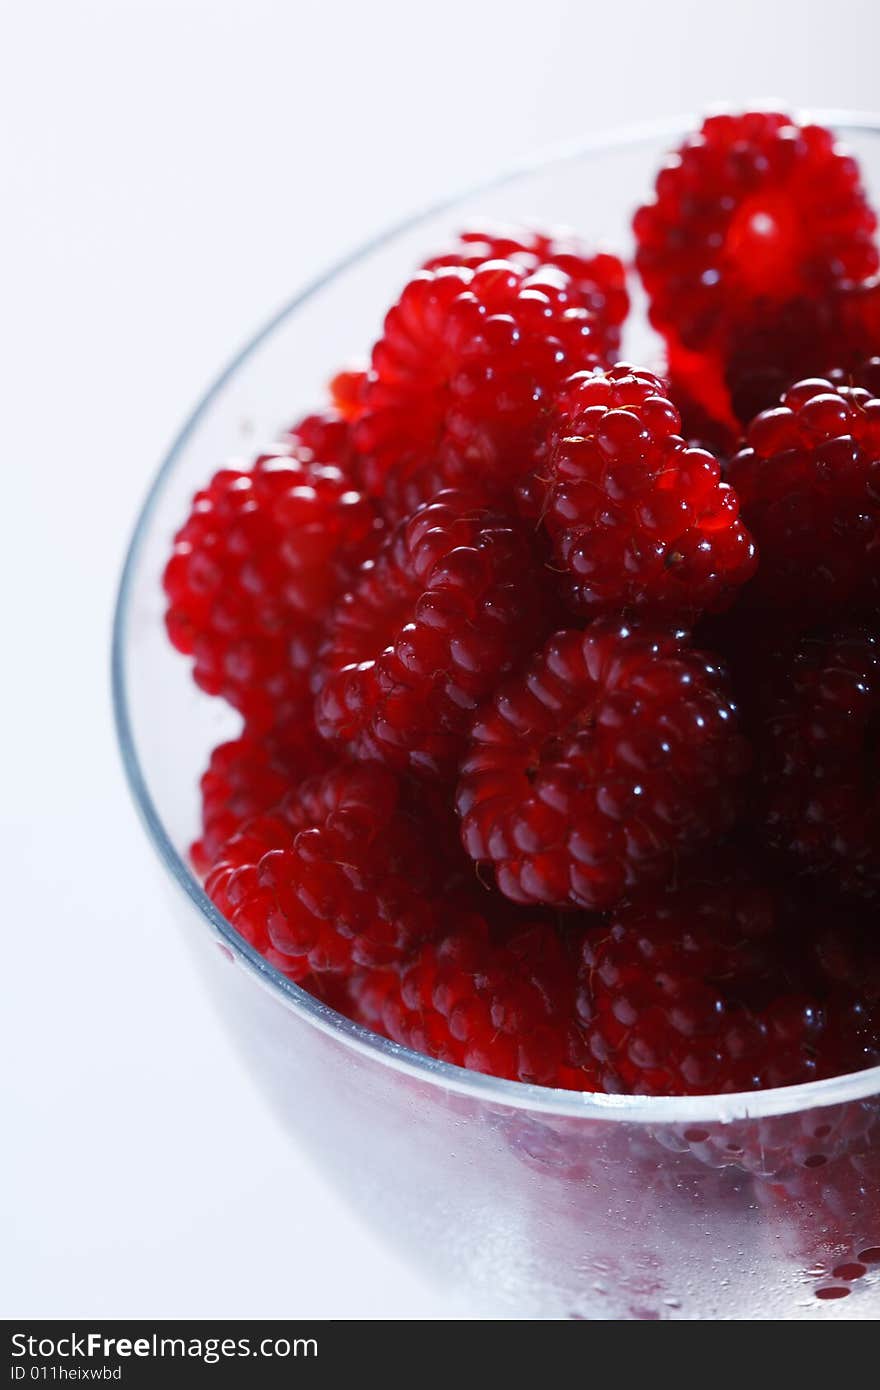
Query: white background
(171,170)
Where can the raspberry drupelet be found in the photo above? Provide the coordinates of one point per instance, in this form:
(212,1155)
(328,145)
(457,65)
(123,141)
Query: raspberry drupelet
(638,519)
(818,739)
(262,556)
(616,751)
(685,992)
(751,209)
(808,480)
(464,376)
(350,870)
(503,1008)
(453,601)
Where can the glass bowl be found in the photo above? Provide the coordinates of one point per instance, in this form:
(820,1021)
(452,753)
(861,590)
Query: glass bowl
(527,1201)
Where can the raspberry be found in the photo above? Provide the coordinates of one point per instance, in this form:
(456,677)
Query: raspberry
(617,750)
(684,994)
(247,777)
(819,726)
(752,211)
(506,1009)
(452,602)
(600,277)
(752,254)
(637,518)
(808,481)
(264,553)
(343,874)
(465,374)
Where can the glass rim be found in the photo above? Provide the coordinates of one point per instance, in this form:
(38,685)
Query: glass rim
(518,1095)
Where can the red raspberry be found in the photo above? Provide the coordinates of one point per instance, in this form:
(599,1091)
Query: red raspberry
(452,602)
(599,276)
(683,994)
(248,777)
(503,1009)
(753,209)
(615,751)
(819,766)
(464,376)
(262,556)
(343,874)
(808,481)
(638,519)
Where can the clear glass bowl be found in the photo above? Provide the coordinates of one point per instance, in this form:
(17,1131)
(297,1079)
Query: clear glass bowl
(529,1202)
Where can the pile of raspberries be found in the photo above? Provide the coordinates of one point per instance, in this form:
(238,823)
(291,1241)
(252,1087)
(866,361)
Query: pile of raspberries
(560,677)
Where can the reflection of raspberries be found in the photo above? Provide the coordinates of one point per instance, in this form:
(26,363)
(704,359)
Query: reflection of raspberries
(506,1009)
(819,766)
(616,750)
(247,777)
(260,559)
(809,484)
(752,208)
(453,600)
(345,872)
(638,519)
(683,995)
(465,374)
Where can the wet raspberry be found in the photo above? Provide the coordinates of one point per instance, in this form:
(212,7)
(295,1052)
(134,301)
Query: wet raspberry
(818,734)
(808,480)
(600,278)
(638,519)
(465,374)
(751,211)
(453,601)
(506,1009)
(686,993)
(615,751)
(249,776)
(255,568)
